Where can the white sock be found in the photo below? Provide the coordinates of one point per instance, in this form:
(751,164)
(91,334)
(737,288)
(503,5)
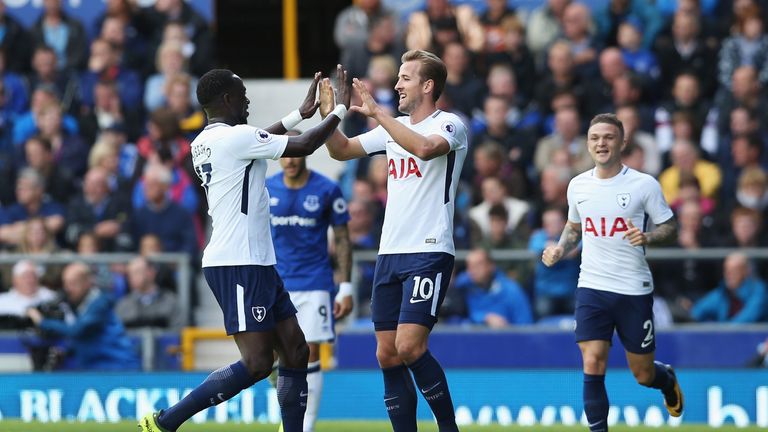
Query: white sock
(315,389)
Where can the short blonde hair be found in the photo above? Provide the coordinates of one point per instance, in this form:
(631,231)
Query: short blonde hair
(166,48)
(753,177)
(99,151)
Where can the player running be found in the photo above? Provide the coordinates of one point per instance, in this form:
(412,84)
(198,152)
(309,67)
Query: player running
(606,205)
(239,261)
(425,151)
(303,204)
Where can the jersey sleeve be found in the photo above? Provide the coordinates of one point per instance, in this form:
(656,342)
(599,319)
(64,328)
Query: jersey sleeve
(655,204)
(573,212)
(249,142)
(339,214)
(453,130)
(374,141)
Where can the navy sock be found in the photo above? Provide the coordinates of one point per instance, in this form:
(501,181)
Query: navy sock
(292,397)
(663,380)
(222,384)
(596,402)
(400,398)
(431,380)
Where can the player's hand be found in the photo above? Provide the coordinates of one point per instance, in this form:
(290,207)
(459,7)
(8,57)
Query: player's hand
(635,236)
(369,108)
(342,308)
(327,99)
(552,255)
(310,104)
(343,91)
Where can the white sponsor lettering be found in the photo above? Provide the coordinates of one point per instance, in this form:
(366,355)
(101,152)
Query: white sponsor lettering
(44,406)
(293,220)
(91,408)
(717,413)
(124,403)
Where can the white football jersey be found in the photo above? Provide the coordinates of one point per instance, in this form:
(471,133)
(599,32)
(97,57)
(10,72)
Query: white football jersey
(230,163)
(604,208)
(420,194)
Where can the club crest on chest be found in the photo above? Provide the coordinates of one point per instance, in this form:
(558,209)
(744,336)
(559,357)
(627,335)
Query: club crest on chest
(623,200)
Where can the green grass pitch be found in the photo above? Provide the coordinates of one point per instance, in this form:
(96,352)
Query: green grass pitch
(324,426)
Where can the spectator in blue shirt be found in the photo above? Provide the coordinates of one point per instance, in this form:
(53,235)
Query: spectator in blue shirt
(31,201)
(104,65)
(93,336)
(163,217)
(740,297)
(637,58)
(553,287)
(492,298)
(26,124)
(16,93)
(66,35)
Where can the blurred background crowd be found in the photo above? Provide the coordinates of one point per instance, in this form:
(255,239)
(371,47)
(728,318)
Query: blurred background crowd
(685,77)
(96,125)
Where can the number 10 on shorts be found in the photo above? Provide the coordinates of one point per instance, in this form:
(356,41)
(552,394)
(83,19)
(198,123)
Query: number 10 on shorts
(425,289)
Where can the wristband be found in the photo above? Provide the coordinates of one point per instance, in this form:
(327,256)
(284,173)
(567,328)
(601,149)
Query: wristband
(345,289)
(340,111)
(291,120)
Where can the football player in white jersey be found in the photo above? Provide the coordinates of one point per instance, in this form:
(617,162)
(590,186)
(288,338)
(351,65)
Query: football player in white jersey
(239,261)
(608,209)
(425,152)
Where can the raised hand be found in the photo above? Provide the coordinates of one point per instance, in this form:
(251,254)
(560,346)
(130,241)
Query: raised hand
(369,108)
(635,236)
(343,92)
(310,104)
(327,99)
(552,255)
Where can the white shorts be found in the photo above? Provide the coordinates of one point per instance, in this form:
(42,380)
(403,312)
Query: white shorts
(315,314)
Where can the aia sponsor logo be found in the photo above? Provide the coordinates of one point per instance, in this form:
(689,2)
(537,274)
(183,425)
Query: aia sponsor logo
(604,228)
(403,168)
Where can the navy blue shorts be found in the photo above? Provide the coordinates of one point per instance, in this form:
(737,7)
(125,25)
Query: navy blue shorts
(252,297)
(599,312)
(409,288)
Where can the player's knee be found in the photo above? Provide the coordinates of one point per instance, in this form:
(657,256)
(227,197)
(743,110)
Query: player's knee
(594,365)
(297,356)
(409,350)
(259,367)
(644,375)
(387,356)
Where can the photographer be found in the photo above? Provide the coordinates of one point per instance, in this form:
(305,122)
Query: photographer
(25,293)
(92,335)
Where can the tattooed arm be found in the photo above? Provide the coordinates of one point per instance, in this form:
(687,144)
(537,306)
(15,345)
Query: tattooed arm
(569,239)
(343,303)
(663,233)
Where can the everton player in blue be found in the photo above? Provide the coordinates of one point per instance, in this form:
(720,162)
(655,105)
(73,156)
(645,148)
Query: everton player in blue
(303,204)
(230,156)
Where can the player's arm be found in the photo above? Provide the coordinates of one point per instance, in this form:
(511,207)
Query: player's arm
(343,246)
(340,147)
(306,143)
(569,240)
(423,147)
(663,233)
(305,111)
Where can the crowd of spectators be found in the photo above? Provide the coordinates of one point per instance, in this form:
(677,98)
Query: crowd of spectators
(687,80)
(95,127)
